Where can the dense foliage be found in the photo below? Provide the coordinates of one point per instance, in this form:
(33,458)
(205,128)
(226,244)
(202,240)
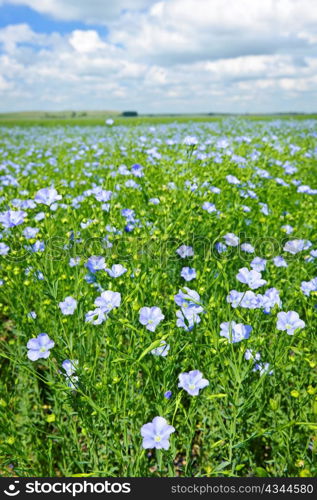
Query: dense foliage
(212,226)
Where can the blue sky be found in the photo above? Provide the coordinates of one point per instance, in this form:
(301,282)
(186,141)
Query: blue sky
(41,23)
(159,56)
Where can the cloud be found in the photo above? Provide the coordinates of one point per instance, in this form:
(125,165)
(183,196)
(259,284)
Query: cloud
(91,11)
(180,31)
(175,55)
(86,41)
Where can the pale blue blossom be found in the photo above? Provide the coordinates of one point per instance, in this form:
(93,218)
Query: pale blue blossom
(161,350)
(68,306)
(190,140)
(12,218)
(209,207)
(150,317)
(295,246)
(116,270)
(95,263)
(235,332)
(309,286)
(47,196)
(289,321)
(188,273)
(280,261)
(96,317)
(246,247)
(258,264)
(108,300)
(231,240)
(251,278)
(185,251)
(192,382)
(188,299)
(4,249)
(156,434)
(39,347)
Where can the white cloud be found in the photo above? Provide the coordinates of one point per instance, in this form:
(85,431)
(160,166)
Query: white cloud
(177,31)
(86,41)
(90,11)
(172,55)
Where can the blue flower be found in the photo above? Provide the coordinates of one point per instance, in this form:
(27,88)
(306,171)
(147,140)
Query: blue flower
(168,394)
(295,246)
(128,213)
(263,368)
(102,195)
(231,240)
(4,249)
(150,317)
(68,306)
(264,208)
(258,264)
(220,247)
(313,253)
(209,207)
(190,140)
(137,170)
(189,299)
(70,366)
(47,196)
(251,300)
(309,286)
(249,354)
(108,300)
(270,299)
(95,263)
(74,261)
(95,317)
(156,434)
(280,261)
(251,278)
(12,218)
(38,246)
(70,369)
(289,321)
(39,347)
(232,179)
(192,382)
(246,247)
(30,232)
(40,216)
(188,273)
(187,319)
(185,251)
(129,227)
(235,298)
(235,332)
(116,270)
(154,201)
(162,350)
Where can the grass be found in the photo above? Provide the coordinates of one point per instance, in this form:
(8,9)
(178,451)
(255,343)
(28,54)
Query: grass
(243,423)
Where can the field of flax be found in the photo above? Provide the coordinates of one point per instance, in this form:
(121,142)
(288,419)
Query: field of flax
(158,299)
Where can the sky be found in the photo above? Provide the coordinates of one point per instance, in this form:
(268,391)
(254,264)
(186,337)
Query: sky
(169,56)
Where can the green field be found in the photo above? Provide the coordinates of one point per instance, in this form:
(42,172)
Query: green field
(93,118)
(183,204)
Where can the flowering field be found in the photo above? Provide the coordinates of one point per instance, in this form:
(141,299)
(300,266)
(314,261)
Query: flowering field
(158,299)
